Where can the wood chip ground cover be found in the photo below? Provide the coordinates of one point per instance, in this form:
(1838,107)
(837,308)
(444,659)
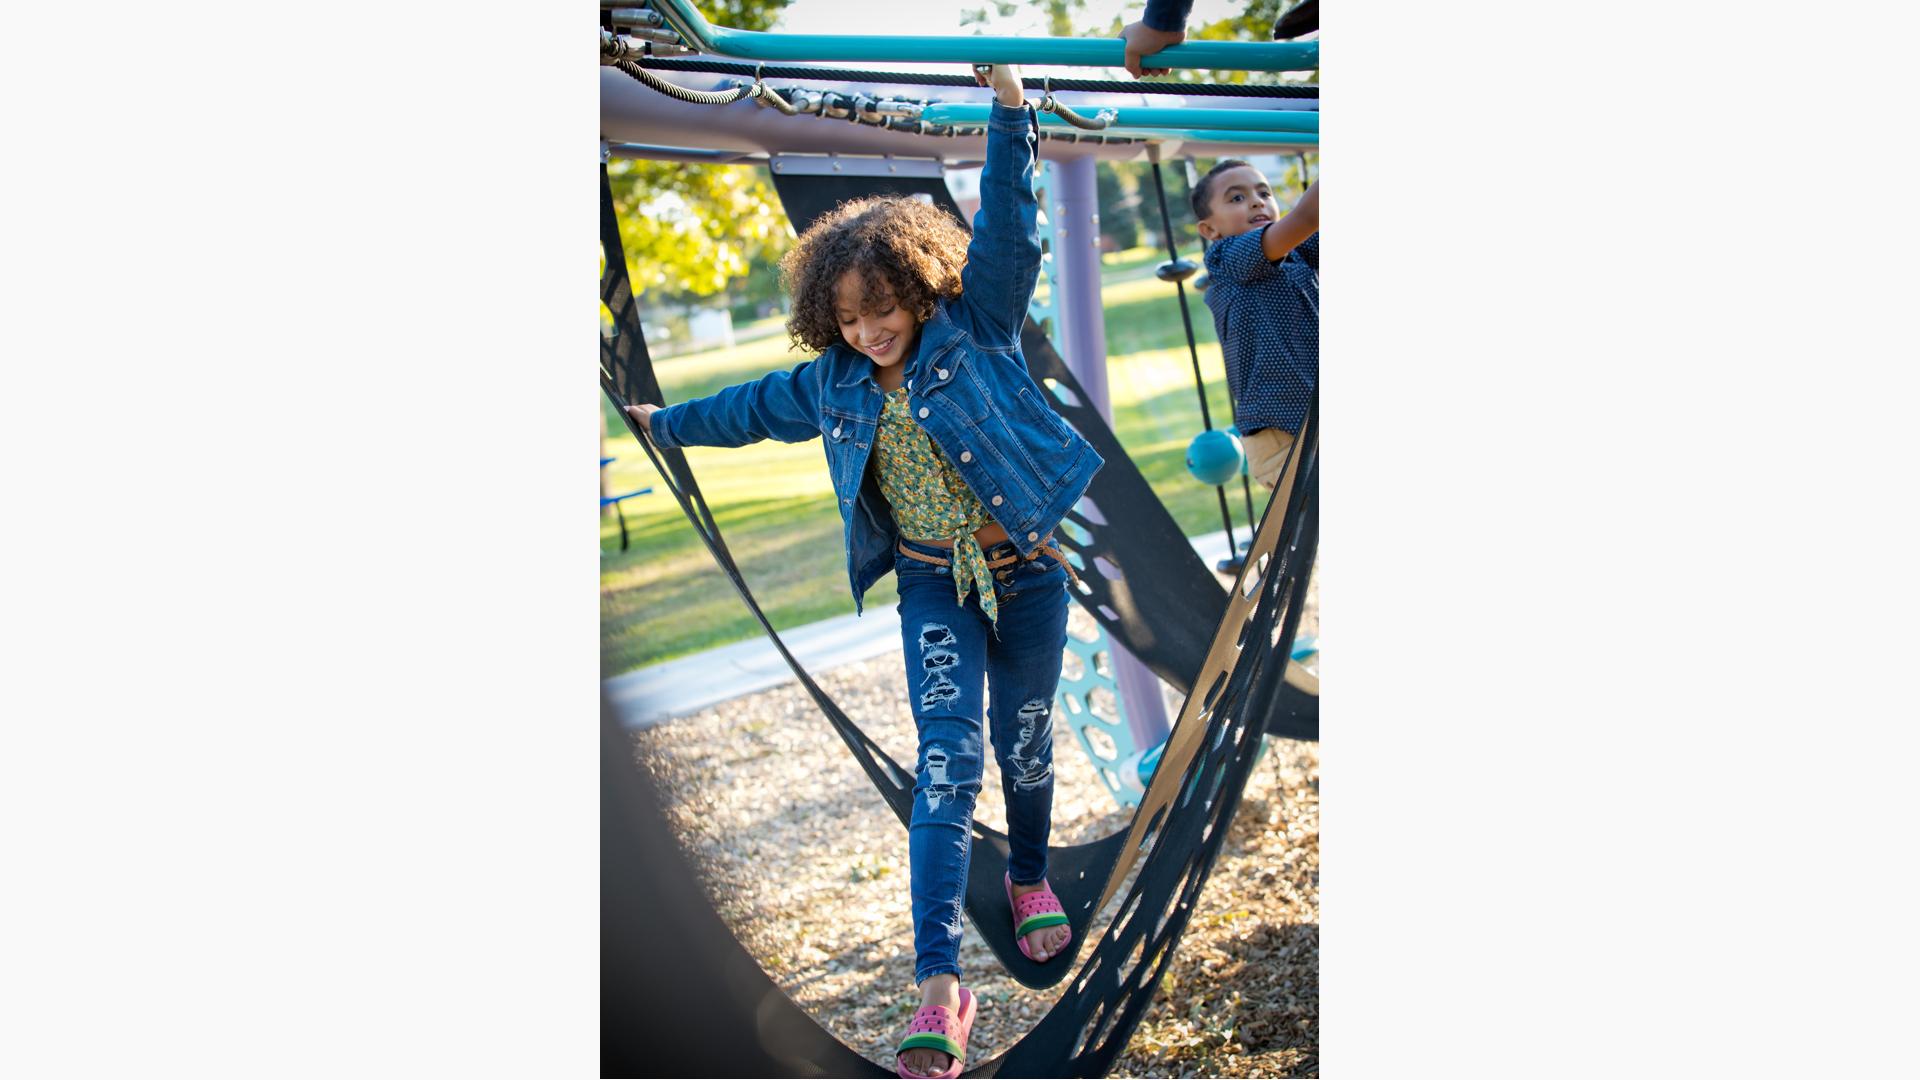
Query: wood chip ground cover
(805,862)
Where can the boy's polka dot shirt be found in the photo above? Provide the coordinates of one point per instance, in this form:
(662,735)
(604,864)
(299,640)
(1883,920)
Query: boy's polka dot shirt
(1267,315)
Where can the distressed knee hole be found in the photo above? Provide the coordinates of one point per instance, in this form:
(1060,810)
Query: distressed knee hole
(939,789)
(1029,770)
(940,691)
(936,659)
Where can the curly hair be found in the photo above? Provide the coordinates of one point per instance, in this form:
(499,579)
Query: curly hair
(896,242)
(1202,193)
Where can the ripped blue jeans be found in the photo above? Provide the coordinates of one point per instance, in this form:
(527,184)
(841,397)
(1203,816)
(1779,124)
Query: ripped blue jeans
(958,668)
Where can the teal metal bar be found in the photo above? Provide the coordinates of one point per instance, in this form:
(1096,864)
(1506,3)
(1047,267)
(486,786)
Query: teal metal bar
(1303,120)
(1241,138)
(698,33)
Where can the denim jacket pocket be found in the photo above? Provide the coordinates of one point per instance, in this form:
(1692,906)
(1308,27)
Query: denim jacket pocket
(1043,415)
(847,441)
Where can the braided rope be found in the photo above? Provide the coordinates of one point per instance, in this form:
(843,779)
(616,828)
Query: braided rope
(1097,122)
(1085,86)
(696,97)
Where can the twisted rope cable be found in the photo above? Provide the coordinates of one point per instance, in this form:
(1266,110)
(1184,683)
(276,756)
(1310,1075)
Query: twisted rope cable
(1054,105)
(695,97)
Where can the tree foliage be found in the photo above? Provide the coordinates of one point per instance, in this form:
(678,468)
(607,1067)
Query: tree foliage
(743,14)
(1060,16)
(689,230)
(692,230)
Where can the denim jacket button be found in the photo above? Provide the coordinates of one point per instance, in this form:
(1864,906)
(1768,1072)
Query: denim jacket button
(1033,536)
(836,431)
(923,412)
(997,500)
(966,456)
(941,372)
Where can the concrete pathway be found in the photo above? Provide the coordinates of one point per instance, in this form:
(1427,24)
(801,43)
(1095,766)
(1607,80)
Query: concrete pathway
(679,687)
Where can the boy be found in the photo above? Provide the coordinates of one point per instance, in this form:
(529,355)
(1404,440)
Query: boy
(1264,289)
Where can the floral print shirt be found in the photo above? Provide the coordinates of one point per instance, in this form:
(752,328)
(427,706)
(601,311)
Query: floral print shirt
(929,499)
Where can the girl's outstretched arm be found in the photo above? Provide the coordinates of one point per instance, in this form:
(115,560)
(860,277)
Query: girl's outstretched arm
(1003,259)
(784,406)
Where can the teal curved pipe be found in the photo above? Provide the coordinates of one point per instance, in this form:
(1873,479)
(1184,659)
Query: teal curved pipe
(1302,120)
(698,33)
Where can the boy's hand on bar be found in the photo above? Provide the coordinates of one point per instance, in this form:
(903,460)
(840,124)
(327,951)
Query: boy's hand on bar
(1143,41)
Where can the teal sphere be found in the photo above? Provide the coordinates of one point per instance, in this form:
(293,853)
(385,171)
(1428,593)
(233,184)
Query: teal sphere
(1213,457)
(1234,429)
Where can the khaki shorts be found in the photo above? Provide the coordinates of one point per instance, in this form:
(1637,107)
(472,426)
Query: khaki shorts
(1266,453)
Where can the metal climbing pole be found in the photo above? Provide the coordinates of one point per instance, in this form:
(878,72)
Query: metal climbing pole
(1073,211)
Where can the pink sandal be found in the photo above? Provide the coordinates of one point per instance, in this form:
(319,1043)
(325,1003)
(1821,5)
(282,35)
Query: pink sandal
(936,1027)
(1036,911)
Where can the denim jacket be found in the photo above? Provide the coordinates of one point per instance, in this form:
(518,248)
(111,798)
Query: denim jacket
(967,384)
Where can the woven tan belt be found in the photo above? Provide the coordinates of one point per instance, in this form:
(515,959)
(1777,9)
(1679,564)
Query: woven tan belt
(1046,547)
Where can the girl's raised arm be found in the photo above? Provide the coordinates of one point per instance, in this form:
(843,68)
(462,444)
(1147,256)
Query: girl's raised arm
(1003,259)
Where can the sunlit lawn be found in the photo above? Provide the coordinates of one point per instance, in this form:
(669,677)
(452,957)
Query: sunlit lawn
(774,502)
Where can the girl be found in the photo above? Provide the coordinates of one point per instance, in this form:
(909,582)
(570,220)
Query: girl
(951,470)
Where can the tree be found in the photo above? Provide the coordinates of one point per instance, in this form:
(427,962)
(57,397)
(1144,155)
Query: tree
(1060,16)
(743,14)
(689,230)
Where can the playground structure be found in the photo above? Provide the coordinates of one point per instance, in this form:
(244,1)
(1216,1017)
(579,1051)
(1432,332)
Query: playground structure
(1164,617)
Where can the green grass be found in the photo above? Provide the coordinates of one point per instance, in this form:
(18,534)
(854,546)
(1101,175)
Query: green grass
(774,501)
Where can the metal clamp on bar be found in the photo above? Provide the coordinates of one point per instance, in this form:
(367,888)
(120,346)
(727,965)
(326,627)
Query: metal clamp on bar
(615,48)
(875,110)
(660,37)
(895,107)
(804,100)
(836,106)
(632,16)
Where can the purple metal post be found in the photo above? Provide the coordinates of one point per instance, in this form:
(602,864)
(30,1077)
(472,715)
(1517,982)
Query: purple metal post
(1074,209)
